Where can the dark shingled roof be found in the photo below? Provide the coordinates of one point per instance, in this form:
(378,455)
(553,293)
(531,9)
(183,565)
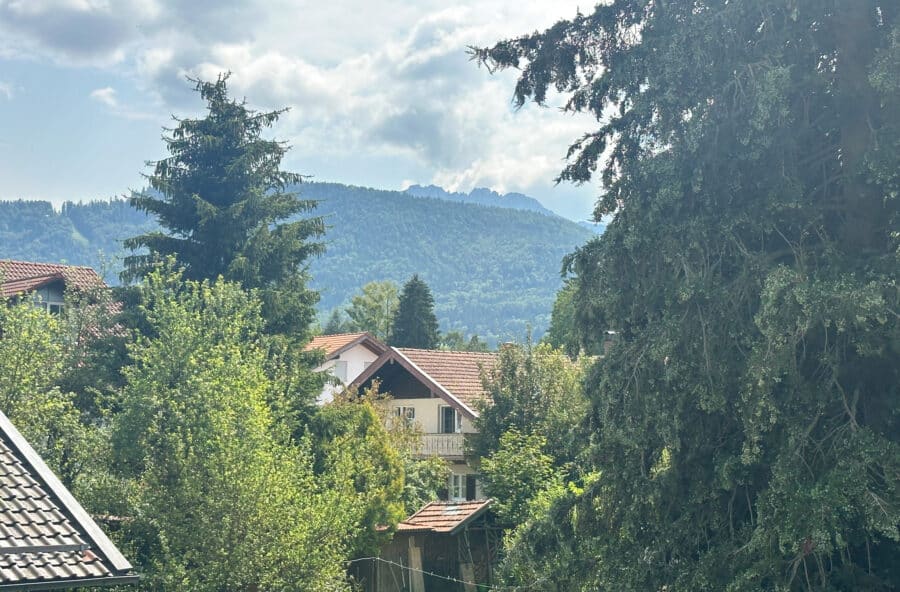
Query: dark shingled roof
(47,540)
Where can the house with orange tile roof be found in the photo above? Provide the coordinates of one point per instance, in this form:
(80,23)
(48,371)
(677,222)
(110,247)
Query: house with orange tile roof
(45,283)
(438,392)
(345,356)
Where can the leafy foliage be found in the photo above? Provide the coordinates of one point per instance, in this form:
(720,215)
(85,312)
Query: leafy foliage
(517,472)
(34,350)
(534,390)
(456,341)
(374,307)
(222,201)
(414,324)
(222,498)
(563,331)
(352,441)
(744,424)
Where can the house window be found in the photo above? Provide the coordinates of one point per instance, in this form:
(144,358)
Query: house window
(471,487)
(450,420)
(340,370)
(463,487)
(407,414)
(457,489)
(53,308)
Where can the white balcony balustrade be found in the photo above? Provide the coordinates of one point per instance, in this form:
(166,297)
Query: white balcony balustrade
(443,445)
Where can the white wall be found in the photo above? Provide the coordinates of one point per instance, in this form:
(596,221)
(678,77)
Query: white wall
(428,414)
(357,359)
(427,420)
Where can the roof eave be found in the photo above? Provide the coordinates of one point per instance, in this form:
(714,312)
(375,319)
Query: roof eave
(396,355)
(367,340)
(465,523)
(67,501)
(448,396)
(103,581)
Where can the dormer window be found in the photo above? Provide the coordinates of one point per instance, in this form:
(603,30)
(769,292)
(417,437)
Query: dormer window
(54,307)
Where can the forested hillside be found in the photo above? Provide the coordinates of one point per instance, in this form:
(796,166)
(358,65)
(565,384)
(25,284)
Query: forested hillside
(493,270)
(481,196)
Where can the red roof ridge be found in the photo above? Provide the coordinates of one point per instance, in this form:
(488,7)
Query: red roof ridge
(63,265)
(334,344)
(341,334)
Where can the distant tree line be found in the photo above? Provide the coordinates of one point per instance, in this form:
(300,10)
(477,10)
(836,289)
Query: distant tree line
(401,318)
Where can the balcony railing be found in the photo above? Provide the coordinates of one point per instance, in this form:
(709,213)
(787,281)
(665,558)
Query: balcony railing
(445,445)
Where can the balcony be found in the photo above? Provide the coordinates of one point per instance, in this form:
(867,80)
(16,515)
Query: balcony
(444,445)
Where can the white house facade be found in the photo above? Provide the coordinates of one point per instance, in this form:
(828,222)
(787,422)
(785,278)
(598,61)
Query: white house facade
(347,355)
(437,392)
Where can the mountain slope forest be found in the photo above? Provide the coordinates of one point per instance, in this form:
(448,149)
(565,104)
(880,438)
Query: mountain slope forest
(493,271)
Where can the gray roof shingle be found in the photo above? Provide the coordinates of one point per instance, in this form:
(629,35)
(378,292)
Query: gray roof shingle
(46,537)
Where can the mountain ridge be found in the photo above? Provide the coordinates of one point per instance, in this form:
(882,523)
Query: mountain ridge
(482,196)
(493,270)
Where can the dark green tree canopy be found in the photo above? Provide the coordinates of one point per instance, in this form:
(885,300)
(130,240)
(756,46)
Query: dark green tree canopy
(745,424)
(415,324)
(221,199)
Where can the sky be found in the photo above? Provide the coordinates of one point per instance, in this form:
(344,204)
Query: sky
(381,92)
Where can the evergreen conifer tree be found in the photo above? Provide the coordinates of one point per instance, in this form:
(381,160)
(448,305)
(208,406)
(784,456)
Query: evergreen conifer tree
(415,324)
(223,202)
(745,433)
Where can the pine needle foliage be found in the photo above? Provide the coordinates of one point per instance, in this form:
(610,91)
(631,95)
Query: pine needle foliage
(415,324)
(223,204)
(745,424)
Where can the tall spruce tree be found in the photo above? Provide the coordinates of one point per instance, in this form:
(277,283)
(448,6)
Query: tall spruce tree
(415,324)
(223,203)
(746,431)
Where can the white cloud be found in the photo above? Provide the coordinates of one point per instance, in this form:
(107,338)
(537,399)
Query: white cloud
(106,95)
(376,77)
(6,90)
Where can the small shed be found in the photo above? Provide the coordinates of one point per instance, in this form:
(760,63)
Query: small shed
(447,546)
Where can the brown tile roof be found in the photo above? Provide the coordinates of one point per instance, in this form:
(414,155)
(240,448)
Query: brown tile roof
(444,517)
(24,276)
(458,372)
(339,342)
(46,538)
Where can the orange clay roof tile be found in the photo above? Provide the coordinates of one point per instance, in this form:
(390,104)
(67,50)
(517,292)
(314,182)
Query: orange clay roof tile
(24,276)
(335,343)
(458,372)
(443,517)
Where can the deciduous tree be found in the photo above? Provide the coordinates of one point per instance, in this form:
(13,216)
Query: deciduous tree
(222,497)
(534,390)
(374,308)
(34,348)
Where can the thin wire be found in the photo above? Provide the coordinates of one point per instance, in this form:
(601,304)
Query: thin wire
(447,578)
